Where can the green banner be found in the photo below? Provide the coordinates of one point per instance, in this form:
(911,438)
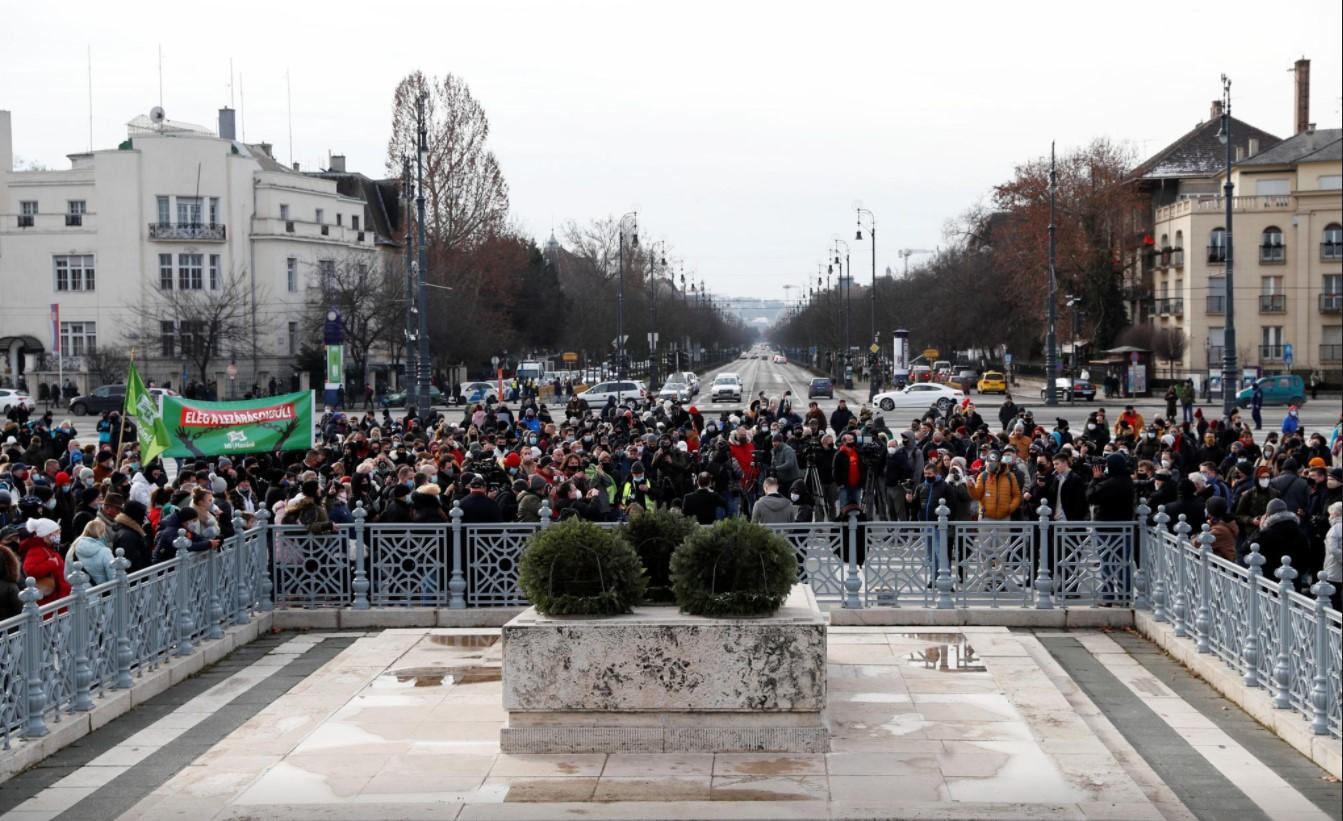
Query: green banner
(144,409)
(252,426)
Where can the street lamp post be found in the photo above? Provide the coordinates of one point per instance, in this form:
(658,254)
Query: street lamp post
(423,395)
(1051,338)
(406,185)
(653,262)
(846,277)
(1229,334)
(633,219)
(872,297)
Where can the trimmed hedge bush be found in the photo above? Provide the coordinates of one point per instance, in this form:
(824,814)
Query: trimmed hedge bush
(734,568)
(575,568)
(655,535)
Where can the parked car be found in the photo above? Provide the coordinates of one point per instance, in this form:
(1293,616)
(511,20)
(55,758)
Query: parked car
(942,369)
(992,382)
(109,398)
(14,398)
(1080,389)
(920,373)
(920,395)
(396,399)
(675,390)
(1279,389)
(621,390)
(821,387)
(480,392)
(726,387)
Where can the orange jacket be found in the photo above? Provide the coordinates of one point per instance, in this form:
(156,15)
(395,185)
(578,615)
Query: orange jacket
(998,494)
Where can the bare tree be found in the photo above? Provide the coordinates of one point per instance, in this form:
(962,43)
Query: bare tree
(201,323)
(466,195)
(107,364)
(370,299)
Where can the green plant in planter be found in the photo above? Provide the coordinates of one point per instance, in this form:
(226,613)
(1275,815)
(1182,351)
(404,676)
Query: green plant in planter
(735,568)
(575,568)
(655,534)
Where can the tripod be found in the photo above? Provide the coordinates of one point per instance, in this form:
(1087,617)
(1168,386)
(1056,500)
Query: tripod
(820,506)
(874,498)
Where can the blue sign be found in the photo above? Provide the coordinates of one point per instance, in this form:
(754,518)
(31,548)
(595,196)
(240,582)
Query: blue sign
(1287,353)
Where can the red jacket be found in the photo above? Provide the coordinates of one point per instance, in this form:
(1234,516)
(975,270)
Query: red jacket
(744,453)
(41,559)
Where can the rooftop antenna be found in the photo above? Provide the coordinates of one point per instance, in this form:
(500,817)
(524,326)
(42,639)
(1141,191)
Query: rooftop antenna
(160,75)
(242,110)
(90,60)
(289,102)
(230,82)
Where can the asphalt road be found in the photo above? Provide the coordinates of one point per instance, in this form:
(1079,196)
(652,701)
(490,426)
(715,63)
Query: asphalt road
(762,374)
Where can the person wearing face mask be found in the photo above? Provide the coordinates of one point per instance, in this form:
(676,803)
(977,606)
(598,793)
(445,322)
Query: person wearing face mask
(93,553)
(1253,503)
(997,489)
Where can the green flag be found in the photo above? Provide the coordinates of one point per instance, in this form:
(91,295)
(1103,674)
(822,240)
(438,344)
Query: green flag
(144,409)
(265,425)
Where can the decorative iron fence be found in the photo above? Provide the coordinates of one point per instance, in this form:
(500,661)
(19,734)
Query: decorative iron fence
(53,658)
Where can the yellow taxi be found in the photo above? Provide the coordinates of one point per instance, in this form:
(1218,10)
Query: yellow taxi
(992,382)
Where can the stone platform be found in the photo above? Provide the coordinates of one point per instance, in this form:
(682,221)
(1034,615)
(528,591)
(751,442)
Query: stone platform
(659,681)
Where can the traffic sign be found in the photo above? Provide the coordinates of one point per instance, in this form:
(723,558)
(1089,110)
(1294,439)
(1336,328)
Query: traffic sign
(569,356)
(1007,359)
(494,360)
(1287,353)
(931,353)
(874,347)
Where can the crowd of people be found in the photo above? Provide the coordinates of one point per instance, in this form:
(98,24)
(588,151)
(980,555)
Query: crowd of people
(67,497)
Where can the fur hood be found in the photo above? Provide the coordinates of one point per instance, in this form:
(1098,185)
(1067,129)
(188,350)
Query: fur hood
(1277,518)
(296,504)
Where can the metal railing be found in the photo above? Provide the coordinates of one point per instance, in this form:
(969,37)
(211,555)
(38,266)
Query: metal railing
(1330,251)
(1272,635)
(1177,257)
(1272,303)
(1272,253)
(208,232)
(1217,254)
(56,657)
(1331,303)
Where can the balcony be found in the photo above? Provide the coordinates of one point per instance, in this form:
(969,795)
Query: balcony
(1163,260)
(1170,306)
(1331,353)
(26,220)
(74,220)
(1217,254)
(1270,353)
(1331,251)
(1214,204)
(1216,304)
(1331,303)
(1215,354)
(1177,257)
(1272,254)
(1272,303)
(187,232)
(310,231)
(1177,307)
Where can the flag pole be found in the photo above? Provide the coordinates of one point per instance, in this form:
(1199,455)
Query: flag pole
(121,418)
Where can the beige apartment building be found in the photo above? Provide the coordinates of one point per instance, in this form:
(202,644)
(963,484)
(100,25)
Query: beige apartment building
(1287,243)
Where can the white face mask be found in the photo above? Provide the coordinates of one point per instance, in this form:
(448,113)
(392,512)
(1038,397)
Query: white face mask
(1263,483)
(795,497)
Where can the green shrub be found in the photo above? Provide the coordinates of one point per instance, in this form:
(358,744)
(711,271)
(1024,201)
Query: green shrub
(655,534)
(575,568)
(735,568)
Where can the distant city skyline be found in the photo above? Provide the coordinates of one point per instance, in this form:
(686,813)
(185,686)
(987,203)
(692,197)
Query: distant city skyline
(746,144)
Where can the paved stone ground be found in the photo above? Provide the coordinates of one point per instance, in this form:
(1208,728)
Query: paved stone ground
(975,722)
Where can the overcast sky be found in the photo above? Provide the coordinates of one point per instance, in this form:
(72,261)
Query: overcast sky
(743,133)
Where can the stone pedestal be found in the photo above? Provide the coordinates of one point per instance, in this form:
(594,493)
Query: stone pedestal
(660,681)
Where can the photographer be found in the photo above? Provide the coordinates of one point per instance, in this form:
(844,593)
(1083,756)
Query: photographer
(903,463)
(783,461)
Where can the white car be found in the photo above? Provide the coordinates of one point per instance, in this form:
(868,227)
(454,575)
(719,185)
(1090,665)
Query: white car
(921,396)
(675,390)
(12,398)
(596,395)
(725,387)
(480,392)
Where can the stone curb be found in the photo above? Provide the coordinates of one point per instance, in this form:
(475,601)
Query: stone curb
(27,752)
(1289,725)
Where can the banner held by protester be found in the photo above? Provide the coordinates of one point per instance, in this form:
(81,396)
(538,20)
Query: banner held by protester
(273,423)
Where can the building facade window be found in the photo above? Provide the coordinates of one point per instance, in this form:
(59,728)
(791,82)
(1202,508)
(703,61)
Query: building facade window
(1271,246)
(1331,245)
(291,274)
(27,213)
(74,212)
(284,212)
(214,210)
(354,222)
(1217,245)
(168,338)
(339,218)
(78,338)
(164,210)
(189,272)
(321,216)
(214,272)
(165,272)
(326,274)
(293,337)
(188,210)
(74,273)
